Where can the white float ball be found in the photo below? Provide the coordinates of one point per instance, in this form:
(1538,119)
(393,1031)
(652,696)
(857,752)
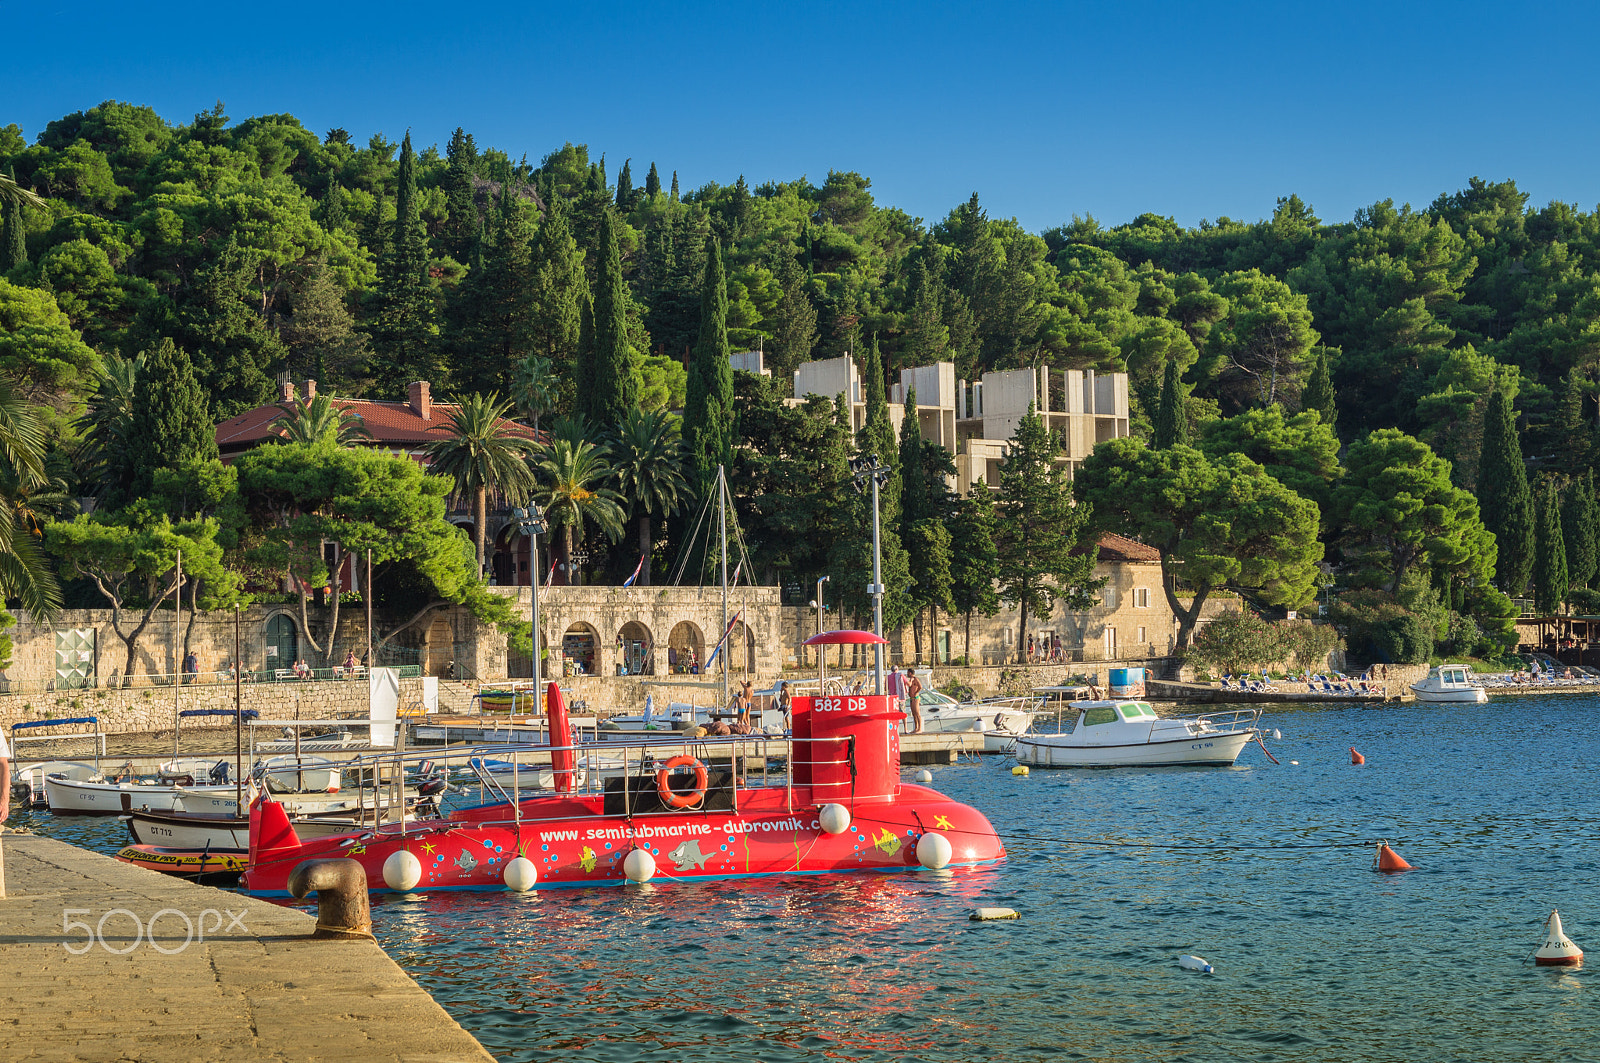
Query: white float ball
(835,819)
(934,851)
(402,871)
(924,775)
(521,874)
(639,866)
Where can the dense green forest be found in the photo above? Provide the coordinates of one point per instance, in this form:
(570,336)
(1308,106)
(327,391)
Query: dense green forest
(1377,370)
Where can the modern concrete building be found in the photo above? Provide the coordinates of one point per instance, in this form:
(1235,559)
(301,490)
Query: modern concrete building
(975,421)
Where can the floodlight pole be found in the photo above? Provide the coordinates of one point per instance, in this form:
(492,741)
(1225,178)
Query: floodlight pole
(869,468)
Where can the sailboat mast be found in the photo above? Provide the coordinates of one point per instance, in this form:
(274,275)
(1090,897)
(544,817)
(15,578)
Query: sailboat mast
(722,533)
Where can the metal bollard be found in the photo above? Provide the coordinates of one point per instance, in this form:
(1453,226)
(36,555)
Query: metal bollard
(343,913)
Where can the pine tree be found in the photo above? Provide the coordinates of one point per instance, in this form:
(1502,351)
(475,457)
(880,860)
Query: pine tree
(615,387)
(927,338)
(171,425)
(402,328)
(1504,500)
(708,409)
(652,182)
(1172,418)
(1550,555)
(625,186)
(13,232)
(1578,528)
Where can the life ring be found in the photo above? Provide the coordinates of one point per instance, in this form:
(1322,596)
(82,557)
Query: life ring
(671,797)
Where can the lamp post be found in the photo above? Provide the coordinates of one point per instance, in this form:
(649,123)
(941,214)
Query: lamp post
(869,470)
(816,603)
(532,523)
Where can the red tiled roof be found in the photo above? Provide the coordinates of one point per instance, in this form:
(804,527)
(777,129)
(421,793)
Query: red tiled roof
(391,423)
(1115,547)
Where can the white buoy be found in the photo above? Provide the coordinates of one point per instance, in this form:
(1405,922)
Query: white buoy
(924,776)
(934,851)
(639,866)
(1019,770)
(1296,763)
(1194,963)
(1557,950)
(1277,735)
(989,915)
(835,819)
(521,874)
(402,871)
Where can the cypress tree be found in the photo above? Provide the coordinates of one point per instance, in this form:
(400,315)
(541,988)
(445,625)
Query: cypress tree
(558,292)
(877,434)
(1550,555)
(1172,419)
(13,233)
(171,426)
(1504,499)
(1578,527)
(652,182)
(333,208)
(708,409)
(674,186)
(625,186)
(914,502)
(1318,394)
(615,387)
(403,328)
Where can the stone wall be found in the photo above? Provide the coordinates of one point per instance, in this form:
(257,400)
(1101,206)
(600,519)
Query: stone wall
(88,638)
(138,710)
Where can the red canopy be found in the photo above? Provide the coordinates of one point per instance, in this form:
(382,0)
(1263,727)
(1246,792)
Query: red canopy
(846,638)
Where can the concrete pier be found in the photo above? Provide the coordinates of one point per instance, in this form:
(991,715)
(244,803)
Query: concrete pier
(256,988)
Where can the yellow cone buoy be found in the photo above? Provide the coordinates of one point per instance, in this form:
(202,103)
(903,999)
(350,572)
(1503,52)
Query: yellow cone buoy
(1557,950)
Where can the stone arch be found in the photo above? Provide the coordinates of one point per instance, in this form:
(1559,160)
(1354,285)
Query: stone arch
(686,639)
(580,646)
(510,559)
(280,641)
(741,649)
(636,649)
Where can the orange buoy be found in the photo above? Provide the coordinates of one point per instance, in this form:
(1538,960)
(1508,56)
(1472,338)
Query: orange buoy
(1356,758)
(1557,950)
(1388,860)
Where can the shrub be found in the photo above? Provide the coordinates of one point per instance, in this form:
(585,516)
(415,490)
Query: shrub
(1234,642)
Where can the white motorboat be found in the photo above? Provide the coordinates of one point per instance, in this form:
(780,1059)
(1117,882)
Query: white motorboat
(312,781)
(679,716)
(942,714)
(1110,734)
(1449,683)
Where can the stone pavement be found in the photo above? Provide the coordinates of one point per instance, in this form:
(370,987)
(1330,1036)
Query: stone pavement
(265,992)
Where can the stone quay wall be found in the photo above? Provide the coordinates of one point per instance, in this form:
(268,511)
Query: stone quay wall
(148,710)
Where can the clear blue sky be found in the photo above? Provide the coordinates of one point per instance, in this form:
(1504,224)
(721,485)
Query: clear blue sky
(1194,110)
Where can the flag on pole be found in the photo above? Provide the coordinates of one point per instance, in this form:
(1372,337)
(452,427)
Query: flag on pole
(551,574)
(629,581)
(726,632)
(734,582)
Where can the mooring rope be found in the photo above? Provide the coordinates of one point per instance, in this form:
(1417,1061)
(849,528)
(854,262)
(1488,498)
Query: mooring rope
(1110,844)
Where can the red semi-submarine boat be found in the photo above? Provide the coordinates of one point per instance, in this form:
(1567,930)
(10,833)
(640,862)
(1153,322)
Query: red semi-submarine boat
(842,807)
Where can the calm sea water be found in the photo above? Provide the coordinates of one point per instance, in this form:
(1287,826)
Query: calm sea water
(1317,957)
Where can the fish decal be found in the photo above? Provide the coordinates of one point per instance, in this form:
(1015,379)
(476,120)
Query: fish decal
(586,858)
(688,856)
(465,862)
(889,844)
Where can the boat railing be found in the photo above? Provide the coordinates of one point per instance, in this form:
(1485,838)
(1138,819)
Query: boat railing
(1225,719)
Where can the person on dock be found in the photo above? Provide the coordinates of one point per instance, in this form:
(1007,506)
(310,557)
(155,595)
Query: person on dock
(191,667)
(743,701)
(784,701)
(914,696)
(894,685)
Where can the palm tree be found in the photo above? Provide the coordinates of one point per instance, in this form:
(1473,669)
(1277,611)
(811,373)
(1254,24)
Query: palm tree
(485,452)
(572,491)
(320,418)
(536,388)
(104,454)
(11,192)
(647,462)
(29,494)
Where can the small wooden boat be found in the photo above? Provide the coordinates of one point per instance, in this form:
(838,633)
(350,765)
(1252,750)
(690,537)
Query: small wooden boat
(200,865)
(1111,734)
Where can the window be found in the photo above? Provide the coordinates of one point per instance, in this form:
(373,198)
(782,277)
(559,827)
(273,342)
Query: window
(1111,643)
(1141,640)
(1108,597)
(1103,714)
(1141,600)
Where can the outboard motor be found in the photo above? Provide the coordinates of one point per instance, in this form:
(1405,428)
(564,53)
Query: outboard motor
(219,772)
